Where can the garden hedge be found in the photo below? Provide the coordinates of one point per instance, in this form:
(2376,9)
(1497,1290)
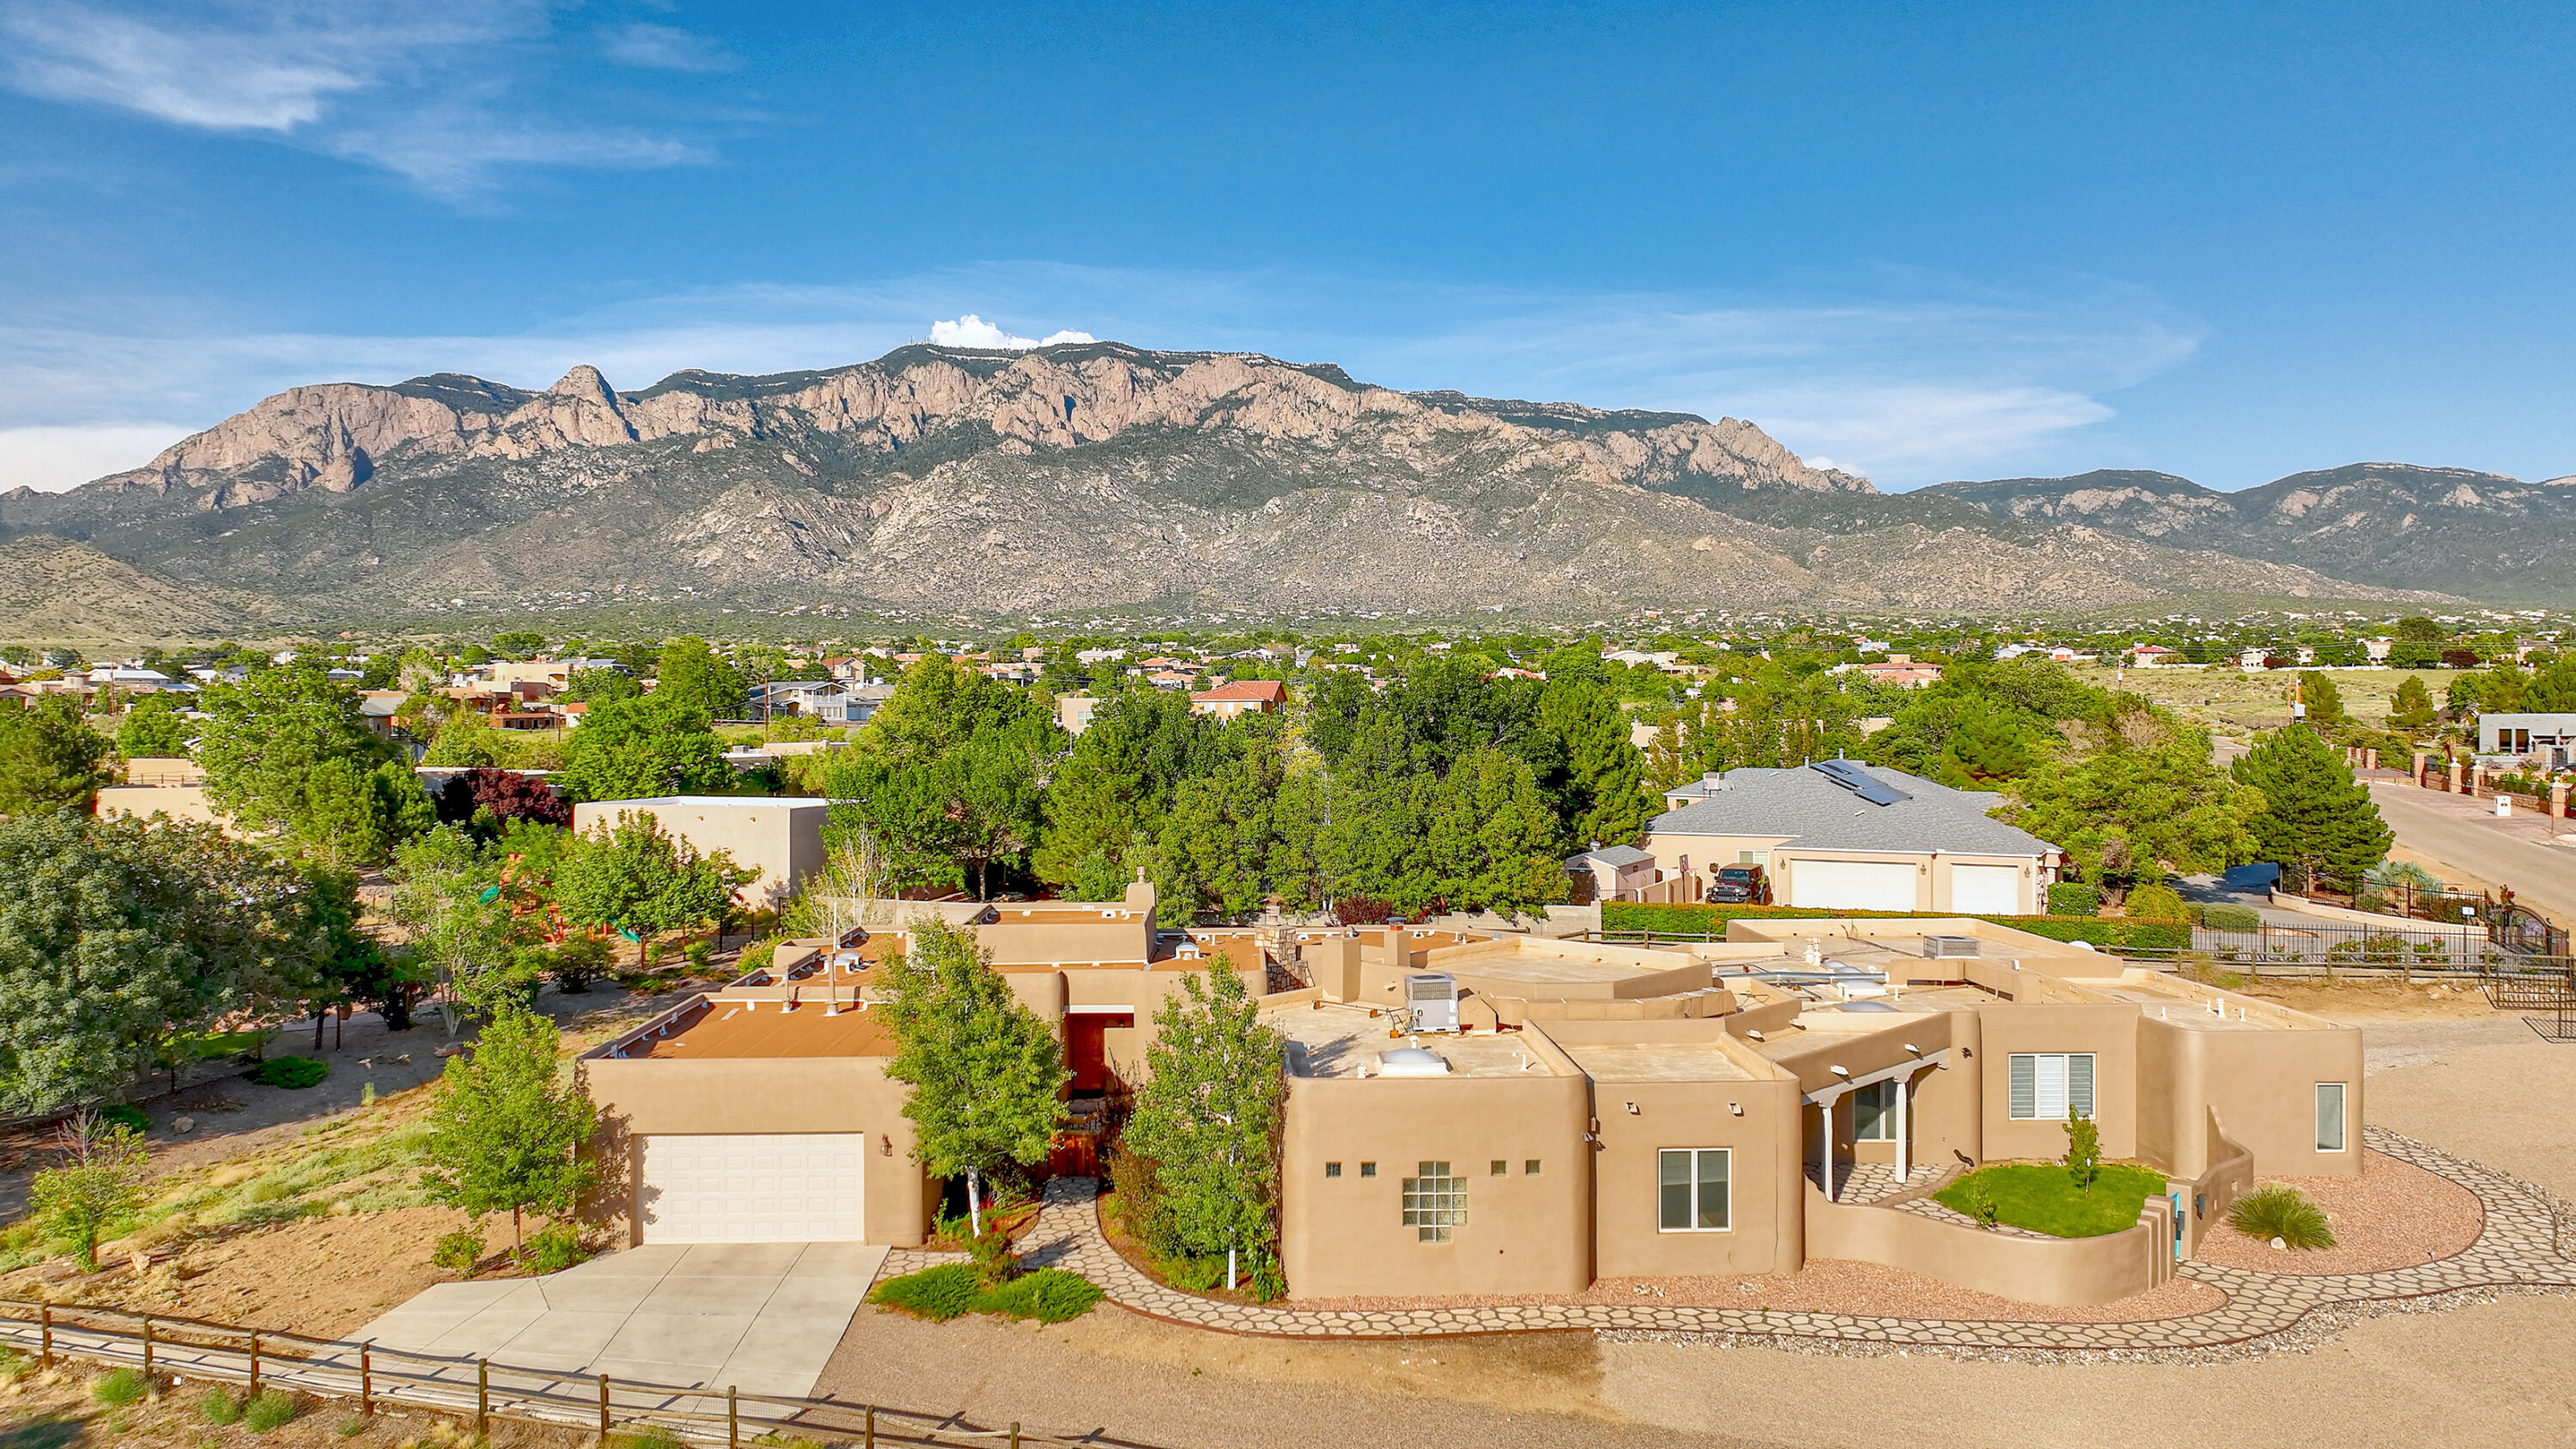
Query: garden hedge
(2107,935)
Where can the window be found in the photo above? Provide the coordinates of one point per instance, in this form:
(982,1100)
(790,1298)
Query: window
(1744,857)
(1692,1189)
(2048,1085)
(1368,1169)
(1500,1169)
(1435,1202)
(1530,1168)
(1332,1169)
(1874,1112)
(2330,1134)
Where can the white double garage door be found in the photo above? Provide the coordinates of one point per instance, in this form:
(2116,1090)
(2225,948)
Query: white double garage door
(1877,885)
(753,1188)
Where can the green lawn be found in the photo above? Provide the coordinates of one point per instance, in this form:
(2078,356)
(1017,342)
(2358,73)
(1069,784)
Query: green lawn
(2044,1200)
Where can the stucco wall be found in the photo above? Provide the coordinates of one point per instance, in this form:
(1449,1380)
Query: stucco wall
(643,1096)
(1346,1236)
(2108,1030)
(782,839)
(2063,1272)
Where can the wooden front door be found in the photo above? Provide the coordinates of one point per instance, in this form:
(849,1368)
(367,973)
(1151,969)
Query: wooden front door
(1086,1051)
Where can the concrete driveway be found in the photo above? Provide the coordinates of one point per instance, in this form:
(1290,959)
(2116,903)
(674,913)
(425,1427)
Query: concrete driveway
(761,1317)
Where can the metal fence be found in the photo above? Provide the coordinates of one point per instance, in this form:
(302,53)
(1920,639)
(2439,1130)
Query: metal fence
(479,1389)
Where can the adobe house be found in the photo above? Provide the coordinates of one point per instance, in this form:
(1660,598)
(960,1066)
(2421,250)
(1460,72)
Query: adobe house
(1548,1112)
(781,839)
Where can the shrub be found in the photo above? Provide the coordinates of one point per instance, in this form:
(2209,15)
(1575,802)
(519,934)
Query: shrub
(938,1294)
(2157,903)
(290,1072)
(2106,935)
(123,1114)
(2074,898)
(2083,1151)
(698,956)
(1978,1200)
(218,1406)
(119,1386)
(459,1251)
(2222,916)
(1049,1295)
(995,1263)
(552,1251)
(2283,1212)
(13,1364)
(268,1411)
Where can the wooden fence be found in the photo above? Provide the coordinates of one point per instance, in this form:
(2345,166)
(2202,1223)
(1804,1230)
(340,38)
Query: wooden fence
(479,1389)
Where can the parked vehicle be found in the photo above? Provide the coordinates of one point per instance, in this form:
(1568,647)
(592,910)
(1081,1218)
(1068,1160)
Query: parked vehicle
(1740,885)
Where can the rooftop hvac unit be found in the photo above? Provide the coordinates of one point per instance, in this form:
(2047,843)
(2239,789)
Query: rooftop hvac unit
(1433,999)
(1943,947)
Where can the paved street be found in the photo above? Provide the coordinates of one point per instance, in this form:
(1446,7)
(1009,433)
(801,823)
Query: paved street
(2465,833)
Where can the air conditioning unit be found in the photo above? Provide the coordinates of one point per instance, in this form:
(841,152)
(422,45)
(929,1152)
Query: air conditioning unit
(1944,947)
(1432,997)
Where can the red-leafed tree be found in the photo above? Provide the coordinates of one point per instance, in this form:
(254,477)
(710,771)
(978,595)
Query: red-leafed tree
(508,794)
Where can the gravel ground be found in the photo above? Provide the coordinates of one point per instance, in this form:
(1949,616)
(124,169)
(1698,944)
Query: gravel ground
(2394,1215)
(1829,1285)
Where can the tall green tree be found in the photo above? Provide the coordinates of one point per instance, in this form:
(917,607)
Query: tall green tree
(120,939)
(1117,779)
(2412,709)
(2324,701)
(50,760)
(2317,820)
(1492,839)
(2133,813)
(354,816)
(265,736)
(1603,792)
(986,1074)
(459,933)
(507,1130)
(697,676)
(154,727)
(632,749)
(1209,1116)
(635,878)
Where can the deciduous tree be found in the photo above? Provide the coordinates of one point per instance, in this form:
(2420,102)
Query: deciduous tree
(986,1075)
(100,1179)
(507,1130)
(1209,1117)
(638,748)
(633,877)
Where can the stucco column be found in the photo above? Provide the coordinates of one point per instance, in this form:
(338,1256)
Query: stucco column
(2454,786)
(2423,763)
(2558,800)
(2370,758)
(1904,1123)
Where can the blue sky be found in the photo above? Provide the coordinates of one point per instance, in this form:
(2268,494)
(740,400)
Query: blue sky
(1921,241)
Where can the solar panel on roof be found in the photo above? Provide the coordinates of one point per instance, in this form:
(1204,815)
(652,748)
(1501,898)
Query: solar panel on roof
(1860,782)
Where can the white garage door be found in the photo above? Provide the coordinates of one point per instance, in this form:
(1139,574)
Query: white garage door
(1852,885)
(1985,890)
(764,1188)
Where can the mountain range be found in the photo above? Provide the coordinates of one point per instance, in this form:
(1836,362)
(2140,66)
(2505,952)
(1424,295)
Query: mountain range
(1096,478)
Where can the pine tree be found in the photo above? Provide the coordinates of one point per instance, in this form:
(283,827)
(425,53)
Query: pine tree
(508,1129)
(2317,820)
(1209,1115)
(2412,709)
(1604,794)
(985,1073)
(50,760)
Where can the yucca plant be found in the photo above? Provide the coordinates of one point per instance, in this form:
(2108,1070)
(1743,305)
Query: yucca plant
(2281,1212)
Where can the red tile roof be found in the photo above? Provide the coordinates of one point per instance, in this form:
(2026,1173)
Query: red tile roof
(1266,691)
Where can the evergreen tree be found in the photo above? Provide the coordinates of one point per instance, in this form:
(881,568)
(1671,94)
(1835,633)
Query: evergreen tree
(50,760)
(2324,701)
(2553,688)
(2317,821)
(354,815)
(2412,709)
(986,1075)
(1492,839)
(2140,811)
(1209,1116)
(508,1128)
(1603,796)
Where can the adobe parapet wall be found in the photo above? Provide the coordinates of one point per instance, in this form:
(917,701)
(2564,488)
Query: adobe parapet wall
(2060,1272)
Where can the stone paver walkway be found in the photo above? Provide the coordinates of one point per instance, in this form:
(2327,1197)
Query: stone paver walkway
(2523,1244)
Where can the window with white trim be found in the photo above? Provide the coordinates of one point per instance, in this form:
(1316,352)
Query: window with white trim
(1874,1112)
(2046,1086)
(1435,1202)
(1692,1189)
(2330,1121)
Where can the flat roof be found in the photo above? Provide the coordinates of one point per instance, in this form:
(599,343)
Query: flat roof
(1704,1061)
(718,802)
(1345,1041)
(1542,970)
(763,1029)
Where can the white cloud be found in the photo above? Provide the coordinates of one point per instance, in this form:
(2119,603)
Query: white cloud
(436,93)
(50,459)
(973,331)
(667,47)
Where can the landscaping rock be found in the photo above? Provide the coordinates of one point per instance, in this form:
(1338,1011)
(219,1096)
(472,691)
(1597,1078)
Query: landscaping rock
(183,1125)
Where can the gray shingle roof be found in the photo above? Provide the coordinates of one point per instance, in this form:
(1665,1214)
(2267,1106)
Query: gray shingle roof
(1613,856)
(1806,806)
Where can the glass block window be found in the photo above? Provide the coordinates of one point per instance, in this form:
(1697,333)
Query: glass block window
(1435,1202)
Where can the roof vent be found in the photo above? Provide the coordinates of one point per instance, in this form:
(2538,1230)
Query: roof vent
(1412,1062)
(1941,948)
